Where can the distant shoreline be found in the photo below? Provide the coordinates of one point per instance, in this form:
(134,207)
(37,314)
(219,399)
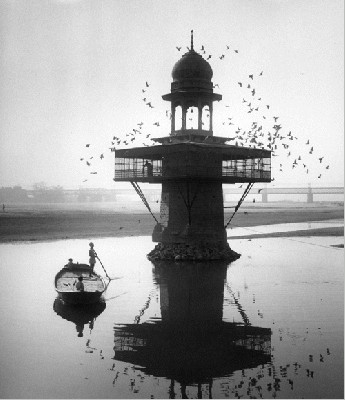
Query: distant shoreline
(48,223)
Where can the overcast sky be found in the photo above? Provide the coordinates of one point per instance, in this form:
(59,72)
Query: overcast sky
(72,73)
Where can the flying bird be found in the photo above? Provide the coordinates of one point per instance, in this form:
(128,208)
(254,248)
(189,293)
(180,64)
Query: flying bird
(251,77)
(88,145)
(178,48)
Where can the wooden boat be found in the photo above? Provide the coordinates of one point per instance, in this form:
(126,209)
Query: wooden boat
(66,281)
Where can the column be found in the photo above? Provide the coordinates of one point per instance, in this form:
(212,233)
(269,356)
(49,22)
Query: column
(173,117)
(210,106)
(199,115)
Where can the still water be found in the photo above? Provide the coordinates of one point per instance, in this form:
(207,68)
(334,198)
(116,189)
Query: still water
(269,325)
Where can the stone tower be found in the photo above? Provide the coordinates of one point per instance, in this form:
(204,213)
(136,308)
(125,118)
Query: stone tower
(192,164)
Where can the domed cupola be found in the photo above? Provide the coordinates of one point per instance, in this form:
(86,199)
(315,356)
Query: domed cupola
(192,66)
(191,95)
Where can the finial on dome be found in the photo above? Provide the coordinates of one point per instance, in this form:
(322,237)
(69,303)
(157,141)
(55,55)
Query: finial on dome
(191,39)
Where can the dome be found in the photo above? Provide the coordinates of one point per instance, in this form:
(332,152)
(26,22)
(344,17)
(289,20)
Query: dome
(192,65)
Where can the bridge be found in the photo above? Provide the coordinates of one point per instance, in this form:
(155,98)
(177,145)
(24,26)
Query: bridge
(229,193)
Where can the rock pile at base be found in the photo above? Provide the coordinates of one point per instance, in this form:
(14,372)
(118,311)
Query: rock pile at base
(193,252)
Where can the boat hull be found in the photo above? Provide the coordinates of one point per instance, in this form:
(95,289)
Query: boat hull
(65,285)
(80,298)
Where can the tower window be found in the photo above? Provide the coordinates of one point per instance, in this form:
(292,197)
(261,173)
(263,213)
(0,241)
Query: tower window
(178,118)
(192,118)
(205,121)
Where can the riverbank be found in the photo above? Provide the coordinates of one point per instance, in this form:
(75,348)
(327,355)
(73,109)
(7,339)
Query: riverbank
(57,222)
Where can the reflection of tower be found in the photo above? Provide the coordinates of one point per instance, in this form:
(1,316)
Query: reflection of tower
(191,343)
(192,164)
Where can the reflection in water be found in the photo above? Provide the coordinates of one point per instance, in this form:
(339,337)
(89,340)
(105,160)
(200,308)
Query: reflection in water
(80,315)
(191,343)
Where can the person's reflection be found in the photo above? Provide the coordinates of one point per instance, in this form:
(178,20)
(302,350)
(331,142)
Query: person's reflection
(191,344)
(80,329)
(80,316)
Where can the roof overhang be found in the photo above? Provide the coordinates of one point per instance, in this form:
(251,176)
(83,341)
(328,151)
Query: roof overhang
(228,152)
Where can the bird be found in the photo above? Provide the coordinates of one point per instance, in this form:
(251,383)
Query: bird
(236,51)
(307,142)
(84,180)
(81,159)
(209,57)
(319,176)
(101,156)
(87,145)
(178,48)
(221,57)
(261,73)
(240,84)
(147,84)
(88,163)
(251,77)
(320,159)
(94,173)
(327,167)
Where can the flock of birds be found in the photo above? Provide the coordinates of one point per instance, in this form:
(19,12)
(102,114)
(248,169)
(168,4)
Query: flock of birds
(265,132)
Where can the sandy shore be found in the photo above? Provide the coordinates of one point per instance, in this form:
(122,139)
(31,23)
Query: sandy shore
(44,223)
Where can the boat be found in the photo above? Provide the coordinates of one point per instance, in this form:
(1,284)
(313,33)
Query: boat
(66,284)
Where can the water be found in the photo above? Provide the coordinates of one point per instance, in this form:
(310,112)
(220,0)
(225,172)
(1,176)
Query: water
(270,324)
(290,227)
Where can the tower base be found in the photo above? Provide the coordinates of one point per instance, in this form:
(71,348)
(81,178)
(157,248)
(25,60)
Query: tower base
(193,252)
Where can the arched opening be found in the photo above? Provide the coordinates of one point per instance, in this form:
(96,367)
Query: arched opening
(192,118)
(205,120)
(178,118)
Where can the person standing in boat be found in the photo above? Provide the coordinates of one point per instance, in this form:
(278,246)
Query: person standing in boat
(92,256)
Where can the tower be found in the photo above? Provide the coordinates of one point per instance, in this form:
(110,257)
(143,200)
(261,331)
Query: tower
(192,164)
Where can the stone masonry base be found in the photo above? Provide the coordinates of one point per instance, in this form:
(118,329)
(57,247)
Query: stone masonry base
(193,252)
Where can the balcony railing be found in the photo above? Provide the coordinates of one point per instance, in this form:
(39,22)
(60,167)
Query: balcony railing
(138,169)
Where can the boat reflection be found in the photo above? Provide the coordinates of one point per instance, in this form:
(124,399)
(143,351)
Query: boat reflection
(191,343)
(80,315)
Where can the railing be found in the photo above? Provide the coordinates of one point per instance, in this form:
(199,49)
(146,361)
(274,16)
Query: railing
(127,169)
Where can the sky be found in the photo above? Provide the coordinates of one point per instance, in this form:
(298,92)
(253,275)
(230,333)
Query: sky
(72,73)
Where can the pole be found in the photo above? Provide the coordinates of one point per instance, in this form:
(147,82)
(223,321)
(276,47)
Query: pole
(103,266)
